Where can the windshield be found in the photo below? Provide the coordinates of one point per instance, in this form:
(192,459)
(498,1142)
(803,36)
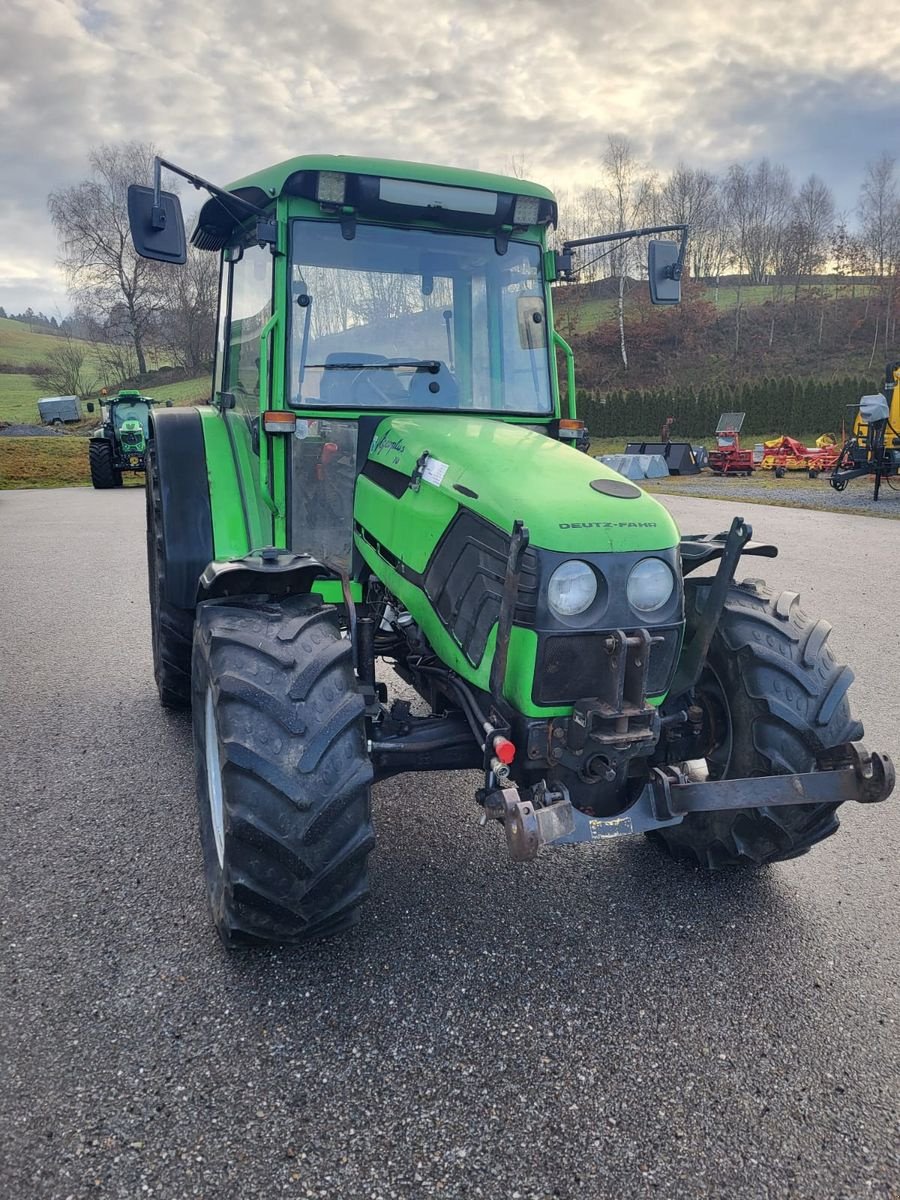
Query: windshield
(407,318)
(131,410)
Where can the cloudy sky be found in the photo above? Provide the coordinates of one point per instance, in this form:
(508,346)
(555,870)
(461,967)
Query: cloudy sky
(227,87)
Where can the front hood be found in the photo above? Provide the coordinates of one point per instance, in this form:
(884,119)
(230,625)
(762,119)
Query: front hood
(507,472)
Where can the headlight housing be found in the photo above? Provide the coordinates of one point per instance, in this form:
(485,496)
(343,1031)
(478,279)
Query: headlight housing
(650,585)
(572,589)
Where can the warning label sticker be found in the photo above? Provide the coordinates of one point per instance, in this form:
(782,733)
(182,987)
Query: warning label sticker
(434,471)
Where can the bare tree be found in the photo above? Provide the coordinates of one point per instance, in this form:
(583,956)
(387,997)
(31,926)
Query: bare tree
(805,244)
(738,217)
(68,372)
(517,165)
(770,198)
(879,213)
(628,193)
(690,197)
(102,269)
(813,211)
(187,321)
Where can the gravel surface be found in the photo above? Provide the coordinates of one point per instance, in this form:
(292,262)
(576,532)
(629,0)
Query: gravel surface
(32,431)
(817,494)
(595,1024)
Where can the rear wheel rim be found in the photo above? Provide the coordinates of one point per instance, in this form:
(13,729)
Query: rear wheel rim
(214,779)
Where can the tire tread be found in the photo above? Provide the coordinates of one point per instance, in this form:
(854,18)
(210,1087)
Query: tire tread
(793,696)
(295,769)
(172,628)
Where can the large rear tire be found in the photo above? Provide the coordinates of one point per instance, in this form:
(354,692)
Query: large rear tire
(283,775)
(103,473)
(777,697)
(171,628)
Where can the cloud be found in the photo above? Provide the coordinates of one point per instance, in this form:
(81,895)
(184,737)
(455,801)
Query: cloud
(231,87)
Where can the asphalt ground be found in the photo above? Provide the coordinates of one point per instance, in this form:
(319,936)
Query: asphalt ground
(599,1023)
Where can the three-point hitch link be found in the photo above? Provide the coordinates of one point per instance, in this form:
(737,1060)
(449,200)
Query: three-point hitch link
(847,772)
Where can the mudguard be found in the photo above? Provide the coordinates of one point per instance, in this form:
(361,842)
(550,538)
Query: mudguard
(177,436)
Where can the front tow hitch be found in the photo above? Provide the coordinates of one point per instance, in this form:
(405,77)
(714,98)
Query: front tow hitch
(542,817)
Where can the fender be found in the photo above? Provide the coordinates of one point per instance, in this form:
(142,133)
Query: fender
(269,572)
(177,436)
(699,549)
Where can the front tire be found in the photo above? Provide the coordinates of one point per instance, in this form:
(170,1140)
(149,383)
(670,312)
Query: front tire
(777,697)
(103,473)
(171,628)
(283,775)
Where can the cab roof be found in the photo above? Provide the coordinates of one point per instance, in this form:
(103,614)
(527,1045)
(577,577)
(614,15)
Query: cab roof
(215,223)
(272,180)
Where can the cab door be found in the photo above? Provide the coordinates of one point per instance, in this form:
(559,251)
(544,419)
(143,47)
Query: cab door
(245,312)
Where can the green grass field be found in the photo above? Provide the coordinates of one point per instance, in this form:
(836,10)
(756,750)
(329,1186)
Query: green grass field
(20,346)
(41,462)
(49,462)
(19,395)
(20,391)
(189,391)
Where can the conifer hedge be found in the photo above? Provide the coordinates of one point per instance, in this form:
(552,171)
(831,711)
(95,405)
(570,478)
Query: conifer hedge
(797,407)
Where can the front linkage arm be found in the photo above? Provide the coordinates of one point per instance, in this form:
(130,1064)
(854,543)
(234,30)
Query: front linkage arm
(847,772)
(695,651)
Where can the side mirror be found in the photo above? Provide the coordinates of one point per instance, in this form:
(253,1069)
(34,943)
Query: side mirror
(168,404)
(89,406)
(662,259)
(157,231)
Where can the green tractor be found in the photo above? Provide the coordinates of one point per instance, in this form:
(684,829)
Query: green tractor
(385,472)
(120,443)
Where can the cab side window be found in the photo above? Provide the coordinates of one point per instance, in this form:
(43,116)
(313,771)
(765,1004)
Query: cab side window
(251,308)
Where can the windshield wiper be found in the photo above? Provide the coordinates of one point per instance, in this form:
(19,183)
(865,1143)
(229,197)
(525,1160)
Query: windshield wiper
(419,364)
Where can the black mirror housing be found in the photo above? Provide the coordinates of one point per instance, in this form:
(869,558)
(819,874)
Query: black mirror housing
(168,404)
(157,232)
(663,272)
(90,406)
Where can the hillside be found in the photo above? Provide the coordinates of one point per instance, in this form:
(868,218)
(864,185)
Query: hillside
(821,331)
(25,355)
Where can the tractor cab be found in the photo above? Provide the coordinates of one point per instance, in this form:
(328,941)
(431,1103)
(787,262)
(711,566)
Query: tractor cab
(132,436)
(130,407)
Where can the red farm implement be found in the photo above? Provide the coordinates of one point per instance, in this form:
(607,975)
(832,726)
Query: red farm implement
(728,458)
(787,454)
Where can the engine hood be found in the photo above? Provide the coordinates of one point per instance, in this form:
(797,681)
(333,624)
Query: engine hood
(503,472)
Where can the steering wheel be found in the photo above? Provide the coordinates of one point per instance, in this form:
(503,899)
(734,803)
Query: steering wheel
(377,388)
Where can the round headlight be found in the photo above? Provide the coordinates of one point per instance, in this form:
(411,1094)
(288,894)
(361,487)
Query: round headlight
(572,588)
(650,585)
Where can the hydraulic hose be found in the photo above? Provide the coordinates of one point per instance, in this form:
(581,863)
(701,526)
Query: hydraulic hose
(478,723)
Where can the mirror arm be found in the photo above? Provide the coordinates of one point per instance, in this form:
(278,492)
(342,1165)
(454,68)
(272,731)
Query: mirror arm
(676,271)
(158,219)
(566,269)
(625,233)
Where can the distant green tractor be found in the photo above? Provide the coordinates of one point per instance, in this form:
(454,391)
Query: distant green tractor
(120,444)
(386,472)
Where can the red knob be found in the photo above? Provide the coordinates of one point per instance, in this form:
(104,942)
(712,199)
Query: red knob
(504,749)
